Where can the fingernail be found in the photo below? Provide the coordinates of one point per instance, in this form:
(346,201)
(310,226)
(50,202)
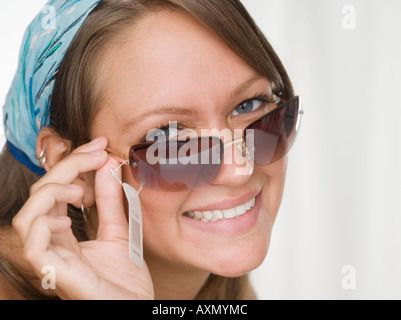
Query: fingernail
(94,141)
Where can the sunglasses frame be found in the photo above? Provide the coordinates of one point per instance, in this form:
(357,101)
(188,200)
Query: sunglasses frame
(127,160)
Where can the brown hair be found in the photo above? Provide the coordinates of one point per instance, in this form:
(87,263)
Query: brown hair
(79,90)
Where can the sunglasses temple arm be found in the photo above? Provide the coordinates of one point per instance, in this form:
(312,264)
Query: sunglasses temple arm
(120,157)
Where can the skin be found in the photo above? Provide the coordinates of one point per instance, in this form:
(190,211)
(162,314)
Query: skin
(181,64)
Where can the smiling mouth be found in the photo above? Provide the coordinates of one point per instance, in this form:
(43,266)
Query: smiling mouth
(216,215)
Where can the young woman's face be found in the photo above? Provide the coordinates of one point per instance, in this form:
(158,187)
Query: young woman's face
(173,69)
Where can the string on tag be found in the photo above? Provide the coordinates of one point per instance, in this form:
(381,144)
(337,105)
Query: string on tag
(114,172)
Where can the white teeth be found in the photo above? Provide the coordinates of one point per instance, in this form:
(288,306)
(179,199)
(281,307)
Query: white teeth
(208,215)
(215,215)
(230,213)
(252,203)
(218,214)
(198,215)
(240,210)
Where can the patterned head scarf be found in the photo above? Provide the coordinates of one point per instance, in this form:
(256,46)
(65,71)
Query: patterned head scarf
(27,107)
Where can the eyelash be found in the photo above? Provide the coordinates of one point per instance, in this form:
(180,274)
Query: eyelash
(163,126)
(259,97)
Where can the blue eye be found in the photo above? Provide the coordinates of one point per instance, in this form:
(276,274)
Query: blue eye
(247,107)
(164,132)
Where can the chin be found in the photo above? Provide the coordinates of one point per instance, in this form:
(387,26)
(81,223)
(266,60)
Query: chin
(238,258)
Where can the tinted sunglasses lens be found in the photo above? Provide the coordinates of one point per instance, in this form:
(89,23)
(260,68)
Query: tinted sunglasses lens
(177,165)
(270,138)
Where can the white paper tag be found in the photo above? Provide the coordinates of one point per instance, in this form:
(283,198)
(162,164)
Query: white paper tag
(135,225)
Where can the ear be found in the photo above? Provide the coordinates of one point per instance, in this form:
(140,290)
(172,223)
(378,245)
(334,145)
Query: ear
(56,149)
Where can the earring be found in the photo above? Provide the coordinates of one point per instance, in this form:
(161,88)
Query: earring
(42,158)
(83,211)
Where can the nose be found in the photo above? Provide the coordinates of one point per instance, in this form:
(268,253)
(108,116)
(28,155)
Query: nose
(237,165)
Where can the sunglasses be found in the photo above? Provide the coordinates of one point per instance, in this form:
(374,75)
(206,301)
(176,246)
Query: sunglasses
(175,165)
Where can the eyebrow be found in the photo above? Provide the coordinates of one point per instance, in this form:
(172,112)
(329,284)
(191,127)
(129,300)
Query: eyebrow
(244,86)
(165,110)
(175,110)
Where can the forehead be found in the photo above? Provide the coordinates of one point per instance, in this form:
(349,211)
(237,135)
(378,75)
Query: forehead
(169,58)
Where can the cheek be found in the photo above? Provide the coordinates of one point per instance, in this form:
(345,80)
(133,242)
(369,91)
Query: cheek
(161,212)
(158,208)
(274,187)
(163,239)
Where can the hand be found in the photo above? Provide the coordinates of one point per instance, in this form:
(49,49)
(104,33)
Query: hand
(98,269)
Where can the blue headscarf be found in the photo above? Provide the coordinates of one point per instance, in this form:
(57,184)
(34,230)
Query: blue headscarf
(44,45)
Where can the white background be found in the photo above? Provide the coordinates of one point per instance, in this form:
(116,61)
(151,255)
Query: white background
(342,200)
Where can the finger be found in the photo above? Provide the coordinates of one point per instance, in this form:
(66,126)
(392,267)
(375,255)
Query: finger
(109,201)
(42,202)
(99,143)
(36,249)
(71,272)
(86,158)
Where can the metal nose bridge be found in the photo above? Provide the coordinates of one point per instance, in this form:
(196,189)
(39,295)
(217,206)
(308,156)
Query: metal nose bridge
(241,147)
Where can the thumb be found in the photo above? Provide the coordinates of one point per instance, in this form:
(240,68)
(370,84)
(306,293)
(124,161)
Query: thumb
(109,201)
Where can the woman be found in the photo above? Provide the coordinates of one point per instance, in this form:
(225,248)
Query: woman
(88,95)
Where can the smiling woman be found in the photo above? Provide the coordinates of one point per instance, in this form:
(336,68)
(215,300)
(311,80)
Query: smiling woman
(132,67)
